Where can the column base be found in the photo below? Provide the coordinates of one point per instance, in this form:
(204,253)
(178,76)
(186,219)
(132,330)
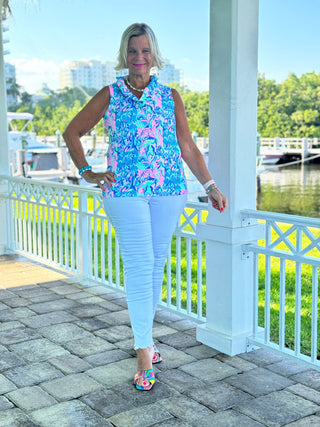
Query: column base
(230,345)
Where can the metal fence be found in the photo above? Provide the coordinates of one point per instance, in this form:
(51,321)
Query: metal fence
(286,285)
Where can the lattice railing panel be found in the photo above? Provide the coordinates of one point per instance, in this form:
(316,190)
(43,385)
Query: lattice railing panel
(66,225)
(286,285)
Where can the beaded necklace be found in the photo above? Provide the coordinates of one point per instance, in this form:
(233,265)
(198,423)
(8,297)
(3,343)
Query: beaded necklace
(130,85)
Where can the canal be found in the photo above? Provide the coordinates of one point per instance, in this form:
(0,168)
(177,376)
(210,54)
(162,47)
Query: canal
(292,190)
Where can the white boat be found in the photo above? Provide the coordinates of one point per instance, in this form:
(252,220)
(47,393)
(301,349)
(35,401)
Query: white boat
(38,157)
(43,160)
(270,155)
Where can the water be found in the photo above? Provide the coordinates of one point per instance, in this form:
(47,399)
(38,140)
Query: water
(292,190)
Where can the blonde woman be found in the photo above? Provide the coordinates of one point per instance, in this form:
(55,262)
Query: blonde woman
(144,188)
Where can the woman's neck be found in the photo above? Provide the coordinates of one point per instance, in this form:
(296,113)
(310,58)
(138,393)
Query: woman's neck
(139,81)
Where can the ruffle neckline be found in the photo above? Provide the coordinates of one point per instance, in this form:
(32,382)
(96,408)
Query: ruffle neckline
(147,93)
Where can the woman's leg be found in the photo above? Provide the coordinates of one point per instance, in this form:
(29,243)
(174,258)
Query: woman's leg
(130,217)
(165,212)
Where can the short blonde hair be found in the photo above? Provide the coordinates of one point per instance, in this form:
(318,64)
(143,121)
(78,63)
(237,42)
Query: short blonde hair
(136,30)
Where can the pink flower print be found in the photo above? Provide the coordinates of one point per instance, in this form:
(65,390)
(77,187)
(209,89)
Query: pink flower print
(160,138)
(158,102)
(161,179)
(146,132)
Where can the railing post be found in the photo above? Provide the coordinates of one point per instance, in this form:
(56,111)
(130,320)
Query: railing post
(62,158)
(4,223)
(83,236)
(276,143)
(305,150)
(4,151)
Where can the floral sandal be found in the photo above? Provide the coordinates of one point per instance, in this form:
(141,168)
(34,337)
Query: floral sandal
(156,357)
(148,379)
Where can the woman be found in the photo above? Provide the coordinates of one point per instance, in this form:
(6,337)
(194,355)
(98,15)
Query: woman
(144,187)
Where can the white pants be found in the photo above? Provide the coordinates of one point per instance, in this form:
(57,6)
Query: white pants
(144,227)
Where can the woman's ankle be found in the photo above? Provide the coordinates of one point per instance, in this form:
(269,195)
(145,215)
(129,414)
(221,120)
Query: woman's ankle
(144,356)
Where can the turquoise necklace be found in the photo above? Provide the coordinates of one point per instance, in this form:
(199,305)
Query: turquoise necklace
(134,88)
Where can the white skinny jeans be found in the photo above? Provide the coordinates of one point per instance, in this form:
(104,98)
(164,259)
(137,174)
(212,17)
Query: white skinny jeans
(144,227)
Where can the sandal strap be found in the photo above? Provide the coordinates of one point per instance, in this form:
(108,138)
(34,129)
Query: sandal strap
(146,375)
(157,356)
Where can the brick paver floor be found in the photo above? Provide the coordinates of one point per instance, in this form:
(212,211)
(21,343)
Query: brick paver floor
(66,359)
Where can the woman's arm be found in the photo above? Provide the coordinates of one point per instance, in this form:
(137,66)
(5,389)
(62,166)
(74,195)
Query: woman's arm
(85,120)
(192,155)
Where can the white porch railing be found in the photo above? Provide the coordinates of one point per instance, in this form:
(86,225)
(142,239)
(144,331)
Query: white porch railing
(286,290)
(66,226)
(292,145)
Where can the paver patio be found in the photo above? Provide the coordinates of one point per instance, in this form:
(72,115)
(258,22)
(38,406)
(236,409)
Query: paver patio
(66,359)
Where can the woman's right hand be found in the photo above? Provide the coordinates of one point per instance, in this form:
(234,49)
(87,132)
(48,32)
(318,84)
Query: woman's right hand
(99,178)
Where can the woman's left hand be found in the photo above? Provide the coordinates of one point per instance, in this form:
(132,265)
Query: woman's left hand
(219,201)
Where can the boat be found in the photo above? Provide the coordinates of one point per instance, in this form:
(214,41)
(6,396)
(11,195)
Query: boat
(35,159)
(270,155)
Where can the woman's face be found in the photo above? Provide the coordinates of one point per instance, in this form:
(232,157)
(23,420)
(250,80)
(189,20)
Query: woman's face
(139,58)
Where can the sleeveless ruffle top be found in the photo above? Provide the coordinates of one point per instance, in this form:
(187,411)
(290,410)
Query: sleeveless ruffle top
(143,152)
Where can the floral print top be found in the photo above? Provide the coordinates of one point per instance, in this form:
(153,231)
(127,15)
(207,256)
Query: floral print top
(143,152)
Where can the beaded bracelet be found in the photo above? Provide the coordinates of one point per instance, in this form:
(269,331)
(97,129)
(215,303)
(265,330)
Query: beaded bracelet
(211,188)
(209,184)
(85,168)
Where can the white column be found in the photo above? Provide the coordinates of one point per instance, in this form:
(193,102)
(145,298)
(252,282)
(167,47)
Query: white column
(4,149)
(232,162)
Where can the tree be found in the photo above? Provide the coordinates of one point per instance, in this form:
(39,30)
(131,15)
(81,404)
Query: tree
(197,111)
(13,88)
(197,108)
(4,9)
(290,108)
(25,100)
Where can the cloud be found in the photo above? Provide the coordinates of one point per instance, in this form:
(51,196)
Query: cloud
(31,73)
(185,60)
(198,85)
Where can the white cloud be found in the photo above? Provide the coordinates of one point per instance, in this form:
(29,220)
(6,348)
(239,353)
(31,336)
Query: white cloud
(31,73)
(198,85)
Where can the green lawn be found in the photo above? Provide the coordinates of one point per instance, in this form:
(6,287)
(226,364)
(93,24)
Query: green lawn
(100,230)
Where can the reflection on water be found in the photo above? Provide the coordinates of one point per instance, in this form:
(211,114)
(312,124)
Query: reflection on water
(292,190)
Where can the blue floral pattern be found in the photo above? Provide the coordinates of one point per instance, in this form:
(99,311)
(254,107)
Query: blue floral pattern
(143,152)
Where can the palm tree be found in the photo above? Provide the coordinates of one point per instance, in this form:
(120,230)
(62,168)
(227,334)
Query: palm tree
(4,9)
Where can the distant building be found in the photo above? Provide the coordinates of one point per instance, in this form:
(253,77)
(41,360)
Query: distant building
(169,74)
(41,93)
(97,74)
(11,84)
(90,74)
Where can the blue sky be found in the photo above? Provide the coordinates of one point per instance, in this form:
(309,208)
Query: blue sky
(45,33)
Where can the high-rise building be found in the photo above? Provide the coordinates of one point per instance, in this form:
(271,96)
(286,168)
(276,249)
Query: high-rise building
(169,74)
(11,84)
(90,74)
(41,93)
(97,74)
